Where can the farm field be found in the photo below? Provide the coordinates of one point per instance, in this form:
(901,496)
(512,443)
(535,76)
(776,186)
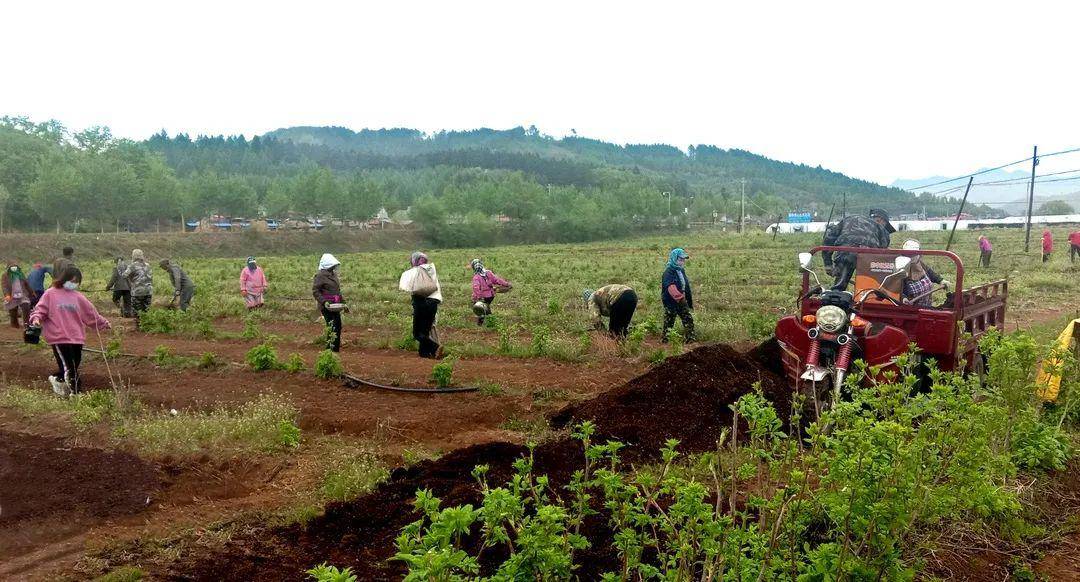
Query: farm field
(182,447)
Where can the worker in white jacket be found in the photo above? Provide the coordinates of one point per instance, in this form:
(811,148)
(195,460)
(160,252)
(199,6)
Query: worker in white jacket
(422,282)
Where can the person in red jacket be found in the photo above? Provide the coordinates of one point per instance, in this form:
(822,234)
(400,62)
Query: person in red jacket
(63,314)
(1074,245)
(1047,245)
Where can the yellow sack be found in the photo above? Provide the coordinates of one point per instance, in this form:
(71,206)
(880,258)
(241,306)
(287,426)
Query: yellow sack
(1048,383)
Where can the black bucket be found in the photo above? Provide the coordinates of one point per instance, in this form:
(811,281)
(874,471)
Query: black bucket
(31,335)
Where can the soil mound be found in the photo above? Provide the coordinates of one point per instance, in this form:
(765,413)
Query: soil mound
(49,489)
(687,397)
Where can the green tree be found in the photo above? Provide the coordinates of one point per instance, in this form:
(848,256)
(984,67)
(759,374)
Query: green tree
(1055,207)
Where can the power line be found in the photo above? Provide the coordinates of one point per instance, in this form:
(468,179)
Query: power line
(1027,159)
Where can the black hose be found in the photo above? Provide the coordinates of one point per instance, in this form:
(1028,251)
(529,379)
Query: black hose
(351,381)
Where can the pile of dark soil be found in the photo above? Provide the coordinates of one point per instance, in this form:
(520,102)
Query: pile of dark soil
(48,487)
(687,397)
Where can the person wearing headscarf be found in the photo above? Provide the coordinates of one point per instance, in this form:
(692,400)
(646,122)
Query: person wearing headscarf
(36,278)
(326,288)
(985,250)
(141,280)
(183,288)
(422,282)
(63,314)
(1074,245)
(17,294)
(1047,245)
(253,285)
(485,284)
(121,287)
(919,279)
(677,295)
(616,302)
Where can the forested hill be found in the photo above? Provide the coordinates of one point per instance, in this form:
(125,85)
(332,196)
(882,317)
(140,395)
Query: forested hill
(460,187)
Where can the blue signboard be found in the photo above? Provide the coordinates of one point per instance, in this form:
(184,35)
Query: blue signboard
(799,217)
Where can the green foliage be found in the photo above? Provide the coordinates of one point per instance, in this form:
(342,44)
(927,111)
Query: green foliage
(328,365)
(262,357)
(162,355)
(122,574)
(541,341)
(631,346)
(160,321)
(554,307)
(113,348)
(675,341)
(443,373)
(251,329)
(352,474)
(295,364)
(326,573)
(846,502)
(209,361)
(85,409)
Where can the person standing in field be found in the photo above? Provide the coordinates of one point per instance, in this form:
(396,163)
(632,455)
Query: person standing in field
(326,288)
(17,294)
(616,302)
(422,282)
(183,288)
(63,314)
(121,287)
(985,250)
(141,281)
(36,278)
(1074,245)
(253,285)
(65,261)
(1047,245)
(677,295)
(485,284)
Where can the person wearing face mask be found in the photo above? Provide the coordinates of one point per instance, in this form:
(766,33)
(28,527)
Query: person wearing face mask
(253,285)
(677,295)
(326,288)
(63,314)
(18,296)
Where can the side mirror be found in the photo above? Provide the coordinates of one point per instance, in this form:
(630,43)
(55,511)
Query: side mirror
(804,260)
(901,263)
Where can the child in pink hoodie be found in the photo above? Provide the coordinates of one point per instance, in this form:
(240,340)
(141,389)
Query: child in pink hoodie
(63,314)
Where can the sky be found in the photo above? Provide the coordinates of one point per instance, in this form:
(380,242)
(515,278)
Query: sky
(877,90)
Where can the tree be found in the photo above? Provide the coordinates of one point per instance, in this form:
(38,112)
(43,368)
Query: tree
(4,197)
(1055,207)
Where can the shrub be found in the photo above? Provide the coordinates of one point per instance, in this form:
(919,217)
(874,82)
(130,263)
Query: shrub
(352,474)
(295,364)
(262,357)
(541,341)
(162,355)
(209,361)
(554,307)
(326,573)
(113,348)
(328,365)
(631,346)
(251,329)
(443,373)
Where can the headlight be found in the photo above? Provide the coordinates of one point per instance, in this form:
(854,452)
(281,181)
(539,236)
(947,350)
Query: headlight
(831,318)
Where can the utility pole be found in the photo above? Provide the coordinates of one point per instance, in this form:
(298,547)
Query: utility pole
(958,212)
(843,208)
(1031,198)
(742,205)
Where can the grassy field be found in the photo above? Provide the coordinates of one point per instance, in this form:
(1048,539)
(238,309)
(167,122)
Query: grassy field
(742,284)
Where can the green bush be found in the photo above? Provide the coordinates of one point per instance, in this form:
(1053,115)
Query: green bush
(162,355)
(328,365)
(295,364)
(209,361)
(541,341)
(327,573)
(262,357)
(443,373)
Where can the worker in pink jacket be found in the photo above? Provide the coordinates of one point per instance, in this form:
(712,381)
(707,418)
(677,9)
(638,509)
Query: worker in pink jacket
(485,285)
(1047,244)
(253,285)
(986,248)
(63,314)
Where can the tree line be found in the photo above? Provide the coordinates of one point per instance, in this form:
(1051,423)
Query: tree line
(462,187)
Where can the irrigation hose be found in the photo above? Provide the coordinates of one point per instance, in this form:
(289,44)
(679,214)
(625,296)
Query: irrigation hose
(351,381)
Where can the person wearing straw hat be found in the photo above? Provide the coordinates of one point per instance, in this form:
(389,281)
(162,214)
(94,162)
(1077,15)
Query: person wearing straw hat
(63,314)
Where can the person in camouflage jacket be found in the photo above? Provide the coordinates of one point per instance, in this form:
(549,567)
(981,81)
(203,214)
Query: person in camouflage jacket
(141,280)
(183,288)
(871,231)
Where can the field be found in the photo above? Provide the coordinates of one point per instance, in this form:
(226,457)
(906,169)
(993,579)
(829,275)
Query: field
(183,449)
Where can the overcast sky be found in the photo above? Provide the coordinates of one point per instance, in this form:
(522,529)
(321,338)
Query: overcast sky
(878,90)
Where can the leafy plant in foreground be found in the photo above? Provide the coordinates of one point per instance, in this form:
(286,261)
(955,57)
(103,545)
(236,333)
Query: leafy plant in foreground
(263,357)
(328,365)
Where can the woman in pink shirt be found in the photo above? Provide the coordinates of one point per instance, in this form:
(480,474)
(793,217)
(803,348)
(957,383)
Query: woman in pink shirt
(1047,244)
(985,250)
(253,284)
(485,285)
(64,314)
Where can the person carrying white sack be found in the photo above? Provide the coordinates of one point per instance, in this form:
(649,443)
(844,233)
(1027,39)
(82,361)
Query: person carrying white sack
(422,283)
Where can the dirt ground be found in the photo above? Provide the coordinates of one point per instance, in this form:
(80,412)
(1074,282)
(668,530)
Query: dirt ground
(63,492)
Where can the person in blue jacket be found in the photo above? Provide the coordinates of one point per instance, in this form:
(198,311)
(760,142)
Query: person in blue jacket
(677,295)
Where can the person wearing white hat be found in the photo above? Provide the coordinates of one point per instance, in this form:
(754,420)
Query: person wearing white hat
(326,288)
(920,279)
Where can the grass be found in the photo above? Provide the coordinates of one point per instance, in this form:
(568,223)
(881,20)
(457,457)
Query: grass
(84,410)
(264,425)
(351,472)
